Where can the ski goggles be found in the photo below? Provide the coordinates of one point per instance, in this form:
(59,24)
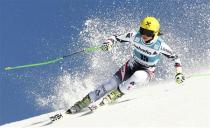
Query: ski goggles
(146,32)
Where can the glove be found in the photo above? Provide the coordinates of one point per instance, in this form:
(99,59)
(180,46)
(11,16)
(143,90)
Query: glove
(179,78)
(107,46)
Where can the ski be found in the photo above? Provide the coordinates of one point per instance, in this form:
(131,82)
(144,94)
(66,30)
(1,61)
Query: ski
(61,115)
(90,109)
(56,117)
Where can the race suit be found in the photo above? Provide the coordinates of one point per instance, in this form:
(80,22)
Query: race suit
(140,66)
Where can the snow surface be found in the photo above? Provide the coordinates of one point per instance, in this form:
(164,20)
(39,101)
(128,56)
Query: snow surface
(162,105)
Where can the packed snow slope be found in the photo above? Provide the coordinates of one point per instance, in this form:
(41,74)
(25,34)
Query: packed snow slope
(39,30)
(165,104)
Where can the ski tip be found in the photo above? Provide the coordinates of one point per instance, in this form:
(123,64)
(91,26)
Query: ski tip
(56,117)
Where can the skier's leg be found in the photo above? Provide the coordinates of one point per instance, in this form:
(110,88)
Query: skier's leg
(95,95)
(139,78)
(122,74)
(104,88)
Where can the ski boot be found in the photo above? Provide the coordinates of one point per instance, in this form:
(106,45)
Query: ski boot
(111,97)
(78,106)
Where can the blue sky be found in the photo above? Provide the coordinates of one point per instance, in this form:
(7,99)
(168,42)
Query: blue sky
(31,31)
(36,30)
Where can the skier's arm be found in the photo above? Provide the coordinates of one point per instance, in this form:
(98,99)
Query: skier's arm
(166,51)
(107,45)
(126,37)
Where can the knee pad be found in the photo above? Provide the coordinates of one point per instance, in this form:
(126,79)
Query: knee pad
(139,78)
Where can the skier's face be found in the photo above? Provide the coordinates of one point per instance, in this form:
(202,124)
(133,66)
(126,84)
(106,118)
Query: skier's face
(146,34)
(146,38)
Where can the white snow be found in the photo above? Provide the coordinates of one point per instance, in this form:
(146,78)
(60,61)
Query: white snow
(165,105)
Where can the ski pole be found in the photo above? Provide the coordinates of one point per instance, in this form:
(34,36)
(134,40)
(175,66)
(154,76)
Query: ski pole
(86,50)
(198,75)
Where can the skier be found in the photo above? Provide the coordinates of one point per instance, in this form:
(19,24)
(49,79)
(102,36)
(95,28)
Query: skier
(138,70)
